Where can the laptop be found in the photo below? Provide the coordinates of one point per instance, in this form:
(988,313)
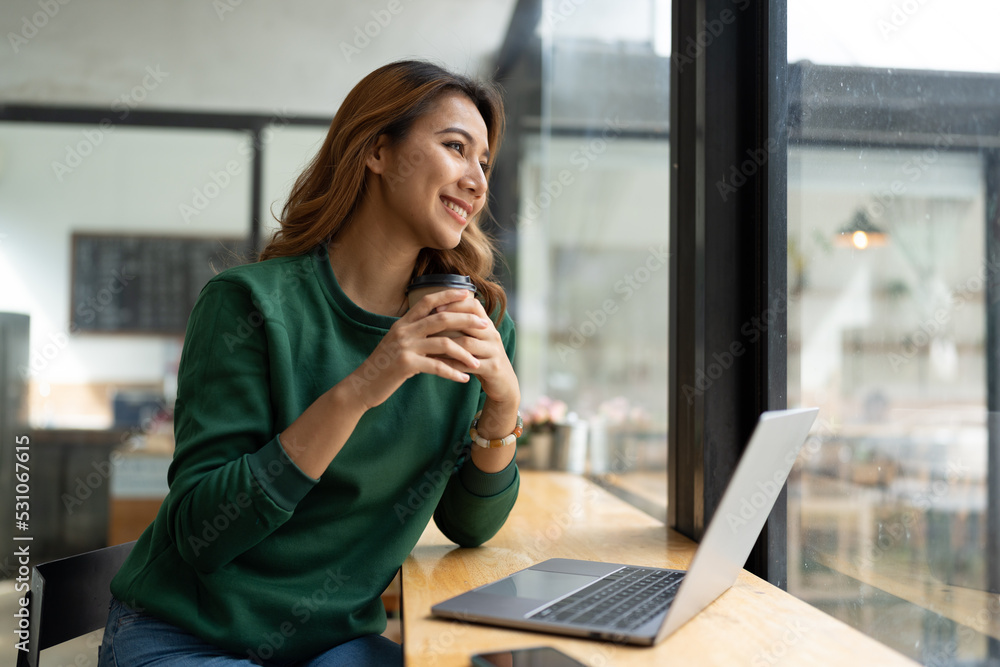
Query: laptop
(643,605)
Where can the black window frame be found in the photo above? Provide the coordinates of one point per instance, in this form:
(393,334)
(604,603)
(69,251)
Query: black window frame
(728,236)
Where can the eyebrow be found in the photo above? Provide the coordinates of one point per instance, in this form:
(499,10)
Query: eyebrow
(465,134)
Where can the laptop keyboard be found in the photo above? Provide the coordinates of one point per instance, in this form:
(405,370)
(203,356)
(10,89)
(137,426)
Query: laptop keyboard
(623,600)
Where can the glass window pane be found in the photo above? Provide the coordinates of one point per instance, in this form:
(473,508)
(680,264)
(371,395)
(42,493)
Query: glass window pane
(592,245)
(892,181)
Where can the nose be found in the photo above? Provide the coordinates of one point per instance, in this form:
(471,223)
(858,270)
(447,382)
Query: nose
(474,180)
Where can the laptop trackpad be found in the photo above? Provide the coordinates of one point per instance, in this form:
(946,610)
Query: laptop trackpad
(538,585)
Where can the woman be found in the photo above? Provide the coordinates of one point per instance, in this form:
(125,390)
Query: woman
(320,423)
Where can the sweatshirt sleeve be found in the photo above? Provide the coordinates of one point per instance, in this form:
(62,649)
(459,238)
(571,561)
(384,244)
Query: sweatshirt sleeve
(476,504)
(231,483)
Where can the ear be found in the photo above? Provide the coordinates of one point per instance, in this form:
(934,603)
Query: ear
(377,160)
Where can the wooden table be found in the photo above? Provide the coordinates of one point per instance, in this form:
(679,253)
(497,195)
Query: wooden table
(564,515)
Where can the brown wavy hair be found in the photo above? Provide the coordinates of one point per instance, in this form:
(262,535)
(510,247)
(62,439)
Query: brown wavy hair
(387,102)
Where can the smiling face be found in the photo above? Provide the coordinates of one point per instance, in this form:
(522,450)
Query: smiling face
(431,184)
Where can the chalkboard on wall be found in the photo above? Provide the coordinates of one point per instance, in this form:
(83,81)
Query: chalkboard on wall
(143,284)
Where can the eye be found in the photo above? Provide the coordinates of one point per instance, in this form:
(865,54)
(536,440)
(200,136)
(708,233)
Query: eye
(485,167)
(457,145)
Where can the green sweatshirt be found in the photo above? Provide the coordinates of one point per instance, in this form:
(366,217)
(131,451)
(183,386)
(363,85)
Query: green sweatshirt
(247,551)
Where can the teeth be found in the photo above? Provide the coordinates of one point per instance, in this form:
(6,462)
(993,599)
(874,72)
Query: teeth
(455,207)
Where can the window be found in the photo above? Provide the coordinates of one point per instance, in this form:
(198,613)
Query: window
(592,256)
(892,207)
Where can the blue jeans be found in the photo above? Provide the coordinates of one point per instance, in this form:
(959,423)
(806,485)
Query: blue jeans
(136,639)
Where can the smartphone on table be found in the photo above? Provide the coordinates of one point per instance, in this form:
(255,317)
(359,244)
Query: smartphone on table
(539,656)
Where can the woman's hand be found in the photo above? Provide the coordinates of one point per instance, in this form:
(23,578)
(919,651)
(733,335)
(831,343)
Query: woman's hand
(495,373)
(494,369)
(411,347)
(313,440)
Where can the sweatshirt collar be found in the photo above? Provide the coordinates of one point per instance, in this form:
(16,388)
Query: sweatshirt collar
(341,301)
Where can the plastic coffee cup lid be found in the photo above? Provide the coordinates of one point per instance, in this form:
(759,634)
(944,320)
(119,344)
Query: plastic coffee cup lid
(447,280)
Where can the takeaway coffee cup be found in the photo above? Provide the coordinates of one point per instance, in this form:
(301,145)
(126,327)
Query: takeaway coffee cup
(436,282)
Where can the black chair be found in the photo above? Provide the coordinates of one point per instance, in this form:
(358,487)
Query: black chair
(69,597)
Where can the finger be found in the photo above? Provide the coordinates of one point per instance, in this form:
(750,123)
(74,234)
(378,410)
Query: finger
(483,331)
(460,368)
(437,299)
(448,321)
(474,306)
(448,348)
(446,368)
(479,349)
(418,359)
